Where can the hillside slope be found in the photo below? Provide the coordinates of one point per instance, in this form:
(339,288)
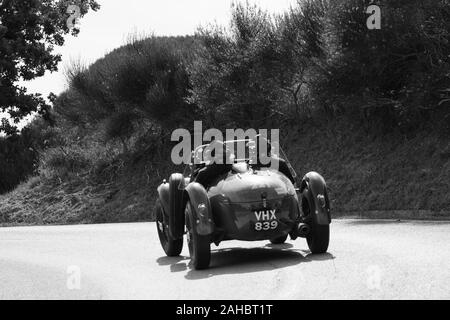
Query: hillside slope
(367,172)
(364,174)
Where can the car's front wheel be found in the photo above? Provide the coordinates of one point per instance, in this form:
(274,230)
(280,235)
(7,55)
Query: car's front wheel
(199,246)
(171,247)
(318,237)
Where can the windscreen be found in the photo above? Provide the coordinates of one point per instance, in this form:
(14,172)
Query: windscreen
(244,150)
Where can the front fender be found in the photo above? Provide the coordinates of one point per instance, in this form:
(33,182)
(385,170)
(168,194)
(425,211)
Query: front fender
(201,207)
(313,186)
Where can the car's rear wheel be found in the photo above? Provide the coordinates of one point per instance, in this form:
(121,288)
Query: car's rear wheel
(171,247)
(318,237)
(176,203)
(279,240)
(199,246)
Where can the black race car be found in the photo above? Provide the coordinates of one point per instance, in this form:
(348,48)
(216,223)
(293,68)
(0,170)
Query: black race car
(240,199)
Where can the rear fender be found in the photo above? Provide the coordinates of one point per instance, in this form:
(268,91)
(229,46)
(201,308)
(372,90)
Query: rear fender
(201,207)
(313,186)
(163,194)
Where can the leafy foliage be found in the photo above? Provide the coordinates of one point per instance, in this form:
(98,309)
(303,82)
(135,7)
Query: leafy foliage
(393,74)
(19,158)
(29,31)
(237,75)
(321,57)
(143,82)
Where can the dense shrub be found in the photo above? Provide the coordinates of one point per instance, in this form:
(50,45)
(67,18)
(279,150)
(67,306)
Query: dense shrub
(19,155)
(17,161)
(320,56)
(396,74)
(238,75)
(144,81)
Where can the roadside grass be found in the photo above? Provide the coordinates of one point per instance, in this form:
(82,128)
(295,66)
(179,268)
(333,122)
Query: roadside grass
(370,172)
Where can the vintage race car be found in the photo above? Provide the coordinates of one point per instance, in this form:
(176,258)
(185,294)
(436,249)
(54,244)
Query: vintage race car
(240,200)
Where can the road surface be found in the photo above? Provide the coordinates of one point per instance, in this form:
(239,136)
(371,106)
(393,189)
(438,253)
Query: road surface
(366,260)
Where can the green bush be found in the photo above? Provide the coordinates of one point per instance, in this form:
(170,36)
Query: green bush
(19,153)
(18,160)
(394,74)
(145,80)
(320,56)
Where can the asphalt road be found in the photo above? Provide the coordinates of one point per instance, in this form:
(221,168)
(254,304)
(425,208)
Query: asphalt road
(366,260)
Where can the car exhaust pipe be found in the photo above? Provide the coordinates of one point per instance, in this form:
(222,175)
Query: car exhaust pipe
(303,230)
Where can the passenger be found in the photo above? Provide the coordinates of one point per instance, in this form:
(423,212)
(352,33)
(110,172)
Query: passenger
(280,163)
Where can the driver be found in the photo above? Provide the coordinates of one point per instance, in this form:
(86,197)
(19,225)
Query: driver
(219,160)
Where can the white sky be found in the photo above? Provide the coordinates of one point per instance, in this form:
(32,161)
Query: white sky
(108,28)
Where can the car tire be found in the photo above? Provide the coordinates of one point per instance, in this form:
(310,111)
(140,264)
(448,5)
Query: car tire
(318,238)
(176,206)
(171,247)
(279,240)
(199,246)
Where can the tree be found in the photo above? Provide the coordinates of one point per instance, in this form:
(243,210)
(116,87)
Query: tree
(252,73)
(235,70)
(392,77)
(132,91)
(29,31)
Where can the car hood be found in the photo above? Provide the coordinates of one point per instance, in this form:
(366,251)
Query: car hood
(252,186)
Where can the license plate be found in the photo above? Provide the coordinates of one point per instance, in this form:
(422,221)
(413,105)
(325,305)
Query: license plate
(265,220)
